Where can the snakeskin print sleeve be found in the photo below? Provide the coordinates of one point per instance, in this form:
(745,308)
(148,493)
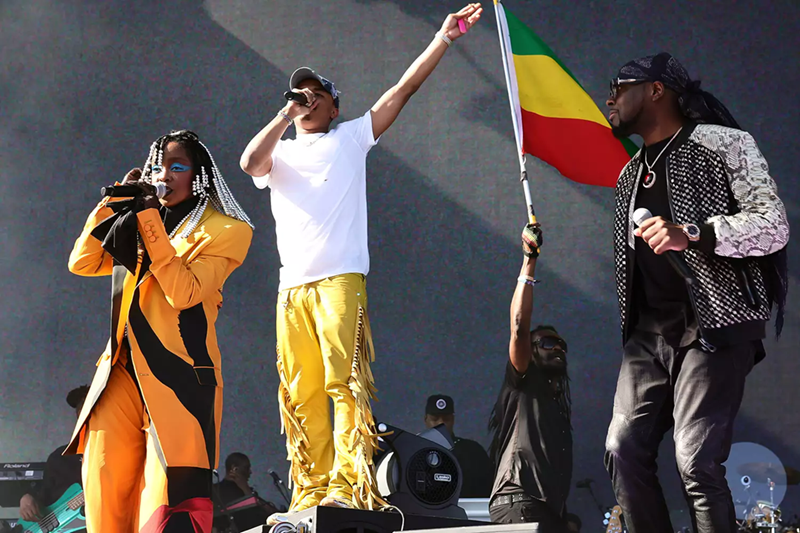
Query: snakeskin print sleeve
(761,226)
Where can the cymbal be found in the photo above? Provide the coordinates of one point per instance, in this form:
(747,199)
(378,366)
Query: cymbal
(754,463)
(763,472)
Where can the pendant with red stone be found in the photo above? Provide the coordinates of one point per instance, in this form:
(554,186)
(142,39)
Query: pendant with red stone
(649,179)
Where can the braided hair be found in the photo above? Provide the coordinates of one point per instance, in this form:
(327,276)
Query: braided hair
(208,184)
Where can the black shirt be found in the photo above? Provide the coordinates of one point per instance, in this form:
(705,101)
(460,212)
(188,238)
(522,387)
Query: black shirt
(227,492)
(60,473)
(172,216)
(534,440)
(476,468)
(661,301)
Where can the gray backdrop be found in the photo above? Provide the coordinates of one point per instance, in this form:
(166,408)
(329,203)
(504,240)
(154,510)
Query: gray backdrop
(85,87)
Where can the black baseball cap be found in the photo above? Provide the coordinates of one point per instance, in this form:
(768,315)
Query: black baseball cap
(305,73)
(440,405)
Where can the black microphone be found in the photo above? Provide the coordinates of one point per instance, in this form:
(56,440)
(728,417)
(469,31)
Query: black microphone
(675,259)
(584,483)
(275,476)
(126,191)
(300,98)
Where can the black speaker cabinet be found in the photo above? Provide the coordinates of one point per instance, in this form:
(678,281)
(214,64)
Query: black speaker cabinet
(418,473)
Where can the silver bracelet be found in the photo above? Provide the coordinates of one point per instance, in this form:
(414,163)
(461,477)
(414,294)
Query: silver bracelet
(285,116)
(526,281)
(445,38)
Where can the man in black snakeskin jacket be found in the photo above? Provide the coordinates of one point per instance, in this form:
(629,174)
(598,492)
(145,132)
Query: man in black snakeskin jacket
(690,338)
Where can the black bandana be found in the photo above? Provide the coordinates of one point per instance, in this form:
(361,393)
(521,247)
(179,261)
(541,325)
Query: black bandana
(696,104)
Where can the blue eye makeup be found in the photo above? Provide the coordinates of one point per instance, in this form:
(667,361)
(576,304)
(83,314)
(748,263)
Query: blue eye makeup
(156,169)
(177,167)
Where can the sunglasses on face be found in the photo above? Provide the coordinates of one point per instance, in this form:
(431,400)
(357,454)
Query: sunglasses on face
(550,343)
(616,83)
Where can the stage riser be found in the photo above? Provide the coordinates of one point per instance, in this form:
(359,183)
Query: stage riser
(334,520)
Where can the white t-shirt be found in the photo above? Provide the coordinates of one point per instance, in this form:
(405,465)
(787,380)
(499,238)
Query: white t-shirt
(318,185)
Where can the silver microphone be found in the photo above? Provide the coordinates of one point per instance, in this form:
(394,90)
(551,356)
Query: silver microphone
(675,259)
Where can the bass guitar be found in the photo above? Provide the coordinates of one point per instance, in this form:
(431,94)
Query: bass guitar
(64,516)
(613,521)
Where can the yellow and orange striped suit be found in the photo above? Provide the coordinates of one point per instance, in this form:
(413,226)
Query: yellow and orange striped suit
(149,429)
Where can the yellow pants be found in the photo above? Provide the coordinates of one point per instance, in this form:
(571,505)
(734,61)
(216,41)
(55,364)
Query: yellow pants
(324,351)
(126,486)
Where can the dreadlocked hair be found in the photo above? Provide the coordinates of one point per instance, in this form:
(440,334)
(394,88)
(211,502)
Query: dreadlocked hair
(563,398)
(563,395)
(208,184)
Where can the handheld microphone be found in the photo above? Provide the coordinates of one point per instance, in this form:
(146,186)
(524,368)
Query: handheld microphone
(300,98)
(675,259)
(117,191)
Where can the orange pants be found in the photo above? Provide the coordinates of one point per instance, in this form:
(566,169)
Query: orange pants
(126,485)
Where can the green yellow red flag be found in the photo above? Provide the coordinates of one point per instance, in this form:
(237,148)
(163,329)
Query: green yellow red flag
(554,118)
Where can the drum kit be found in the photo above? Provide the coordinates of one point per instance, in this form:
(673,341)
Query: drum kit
(758,482)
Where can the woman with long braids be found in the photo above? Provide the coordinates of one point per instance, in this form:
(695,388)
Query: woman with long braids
(149,429)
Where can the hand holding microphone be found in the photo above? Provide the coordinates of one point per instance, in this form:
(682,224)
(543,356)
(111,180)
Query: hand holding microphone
(132,187)
(301,102)
(665,238)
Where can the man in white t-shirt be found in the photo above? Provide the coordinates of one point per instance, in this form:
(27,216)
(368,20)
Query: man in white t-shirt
(317,187)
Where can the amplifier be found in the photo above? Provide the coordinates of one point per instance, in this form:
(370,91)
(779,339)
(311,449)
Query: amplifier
(17,479)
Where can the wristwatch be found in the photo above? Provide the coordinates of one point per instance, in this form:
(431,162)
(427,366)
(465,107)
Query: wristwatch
(691,231)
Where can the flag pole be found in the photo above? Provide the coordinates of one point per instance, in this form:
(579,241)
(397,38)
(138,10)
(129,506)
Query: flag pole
(516,116)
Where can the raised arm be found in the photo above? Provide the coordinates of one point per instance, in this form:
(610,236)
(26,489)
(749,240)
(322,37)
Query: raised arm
(388,107)
(519,347)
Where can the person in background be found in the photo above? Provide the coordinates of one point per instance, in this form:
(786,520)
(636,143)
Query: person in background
(476,467)
(234,487)
(60,471)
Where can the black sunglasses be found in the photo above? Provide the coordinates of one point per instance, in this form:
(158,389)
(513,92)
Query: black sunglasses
(616,83)
(550,343)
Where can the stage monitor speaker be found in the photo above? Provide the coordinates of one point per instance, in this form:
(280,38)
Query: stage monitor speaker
(418,473)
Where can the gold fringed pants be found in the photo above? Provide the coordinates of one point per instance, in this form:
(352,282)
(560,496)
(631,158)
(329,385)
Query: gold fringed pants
(324,354)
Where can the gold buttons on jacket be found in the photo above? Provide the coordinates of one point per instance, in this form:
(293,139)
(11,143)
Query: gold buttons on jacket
(149,233)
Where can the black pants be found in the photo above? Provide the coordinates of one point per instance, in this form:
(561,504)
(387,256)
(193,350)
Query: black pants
(528,512)
(697,392)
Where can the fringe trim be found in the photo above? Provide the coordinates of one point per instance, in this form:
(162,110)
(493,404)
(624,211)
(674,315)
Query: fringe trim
(364,437)
(296,439)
